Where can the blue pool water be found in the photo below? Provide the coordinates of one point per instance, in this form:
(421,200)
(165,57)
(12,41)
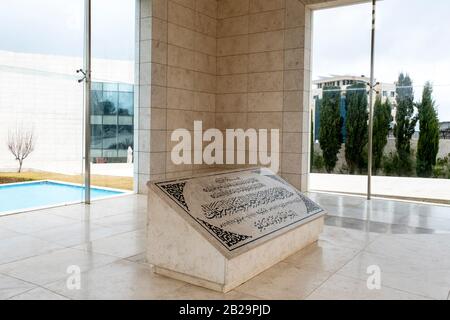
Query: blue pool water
(22,196)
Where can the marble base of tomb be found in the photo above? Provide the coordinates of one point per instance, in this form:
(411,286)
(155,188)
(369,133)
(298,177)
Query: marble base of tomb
(221,254)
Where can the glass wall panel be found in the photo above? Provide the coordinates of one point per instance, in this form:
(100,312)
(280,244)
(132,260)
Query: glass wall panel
(412,115)
(110,102)
(126,103)
(339,99)
(411,94)
(41,103)
(113,23)
(97,99)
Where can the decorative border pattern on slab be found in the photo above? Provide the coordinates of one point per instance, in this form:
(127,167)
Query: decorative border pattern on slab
(227,207)
(176,191)
(229,238)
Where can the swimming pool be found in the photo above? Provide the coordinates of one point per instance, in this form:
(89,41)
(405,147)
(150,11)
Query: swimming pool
(15,197)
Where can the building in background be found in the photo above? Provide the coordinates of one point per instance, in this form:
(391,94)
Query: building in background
(387,92)
(42,92)
(112,121)
(444,128)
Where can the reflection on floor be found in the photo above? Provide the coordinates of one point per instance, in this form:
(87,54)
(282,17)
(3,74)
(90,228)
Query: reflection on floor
(423,189)
(410,243)
(384,216)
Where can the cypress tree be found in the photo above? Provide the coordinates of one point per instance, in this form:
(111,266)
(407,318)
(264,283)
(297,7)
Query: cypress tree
(382,118)
(405,123)
(356,127)
(330,133)
(428,146)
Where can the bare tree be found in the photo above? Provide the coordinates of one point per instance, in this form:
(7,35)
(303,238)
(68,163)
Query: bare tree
(21,144)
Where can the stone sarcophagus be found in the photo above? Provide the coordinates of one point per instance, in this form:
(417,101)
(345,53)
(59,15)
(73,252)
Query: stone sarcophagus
(219,230)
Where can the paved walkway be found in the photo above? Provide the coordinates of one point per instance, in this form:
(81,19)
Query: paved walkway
(436,190)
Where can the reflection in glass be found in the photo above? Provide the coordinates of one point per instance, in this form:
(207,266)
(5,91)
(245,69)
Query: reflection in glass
(126,103)
(96,101)
(109,102)
(109,137)
(125,137)
(96,137)
(112,122)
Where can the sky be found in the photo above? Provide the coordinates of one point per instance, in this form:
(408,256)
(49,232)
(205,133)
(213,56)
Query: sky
(56,27)
(412,36)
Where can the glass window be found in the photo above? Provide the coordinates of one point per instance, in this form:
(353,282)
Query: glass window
(336,109)
(126,103)
(125,137)
(96,102)
(125,87)
(109,120)
(109,154)
(96,153)
(112,120)
(98,86)
(109,137)
(110,100)
(96,119)
(126,120)
(96,138)
(110,86)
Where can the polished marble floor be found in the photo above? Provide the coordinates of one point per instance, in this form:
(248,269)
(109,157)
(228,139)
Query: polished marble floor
(424,189)
(409,242)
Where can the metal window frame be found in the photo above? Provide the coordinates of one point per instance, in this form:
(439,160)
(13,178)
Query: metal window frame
(87,101)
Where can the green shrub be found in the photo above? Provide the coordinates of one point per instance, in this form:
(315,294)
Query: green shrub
(344,169)
(395,166)
(318,165)
(442,168)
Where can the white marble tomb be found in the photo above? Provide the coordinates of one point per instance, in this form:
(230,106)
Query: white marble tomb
(219,230)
